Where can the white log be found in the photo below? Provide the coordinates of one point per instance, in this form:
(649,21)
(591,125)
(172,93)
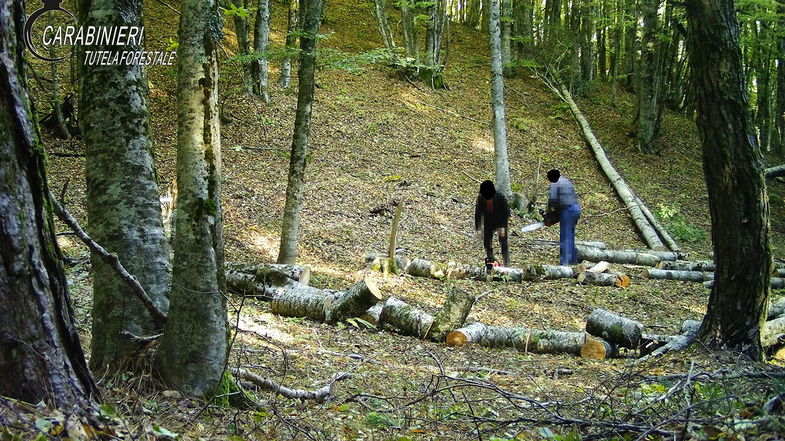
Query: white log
(615,256)
(354,301)
(614,328)
(681,265)
(298,300)
(555,243)
(775,283)
(684,276)
(604,279)
(452,315)
(533,340)
(372,314)
(776,309)
(471,333)
(772,331)
(298,273)
(406,318)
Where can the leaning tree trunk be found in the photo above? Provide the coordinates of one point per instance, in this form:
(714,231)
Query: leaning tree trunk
(242,31)
(260,66)
(312,14)
(123,207)
(41,358)
(734,178)
(503,185)
(382,22)
(194,348)
(291,38)
(624,192)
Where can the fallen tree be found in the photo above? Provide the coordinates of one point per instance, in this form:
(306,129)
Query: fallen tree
(614,328)
(775,283)
(616,256)
(519,338)
(622,189)
(317,395)
(684,276)
(298,273)
(604,279)
(683,265)
(775,172)
(412,321)
(263,281)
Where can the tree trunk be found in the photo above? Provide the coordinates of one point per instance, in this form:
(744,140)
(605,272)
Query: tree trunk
(624,192)
(614,328)
(380,12)
(630,40)
(506,33)
(291,39)
(354,302)
(242,29)
(648,80)
(194,348)
(123,207)
(615,256)
(604,279)
(555,243)
(471,333)
(774,172)
(410,34)
(261,38)
(41,358)
(270,271)
(780,101)
(503,185)
(408,319)
(298,300)
(684,276)
(587,20)
(734,178)
(290,230)
(776,310)
(701,265)
(452,315)
(598,349)
(533,340)
(61,129)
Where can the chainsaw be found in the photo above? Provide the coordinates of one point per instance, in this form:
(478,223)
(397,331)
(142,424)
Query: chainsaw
(549,218)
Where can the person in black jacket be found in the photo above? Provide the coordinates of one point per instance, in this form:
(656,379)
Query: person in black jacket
(492,214)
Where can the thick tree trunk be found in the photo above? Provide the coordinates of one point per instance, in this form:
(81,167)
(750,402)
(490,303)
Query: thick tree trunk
(354,302)
(194,348)
(614,328)
(471,333)
(684,276)
(261,38)
(41,358)
(533,340)
(497,94)
(598,349)
(624,192)
(406,318)
(290,230)
(734,178)
(452,315)
(780,101)
(291,39)
(123,207)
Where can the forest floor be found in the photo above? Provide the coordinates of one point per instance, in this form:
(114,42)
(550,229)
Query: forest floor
(376,139)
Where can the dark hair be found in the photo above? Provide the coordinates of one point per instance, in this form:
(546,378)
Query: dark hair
(553,175)
(487,190)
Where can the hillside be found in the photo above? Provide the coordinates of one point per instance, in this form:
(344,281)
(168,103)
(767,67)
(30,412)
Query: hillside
(377,139)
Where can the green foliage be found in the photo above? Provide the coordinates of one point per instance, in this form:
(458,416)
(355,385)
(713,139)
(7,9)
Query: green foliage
(238,11)
(173,44)
(678,226)
(376,419)
(559,110)
(522,124)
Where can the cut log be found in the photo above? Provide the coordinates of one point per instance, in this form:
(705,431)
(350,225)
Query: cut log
(776,309)
(614,328)
(684,276)
(599,267)
(372,314)
(354,301)
(683,265)
(299,300)
(452,315)
(652,342)
(533,340)
(533,272)
(772,332)
(604,279)
(471,333)
(662,255)
(778,272)
(774,172)
(598,349)
(460,271)
(298,273)
(615,256)
(647,231)
(655,223)
(406,318)
(555,243)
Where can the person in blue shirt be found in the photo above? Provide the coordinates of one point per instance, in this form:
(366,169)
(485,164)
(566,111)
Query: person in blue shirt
(492,214)
(563,207)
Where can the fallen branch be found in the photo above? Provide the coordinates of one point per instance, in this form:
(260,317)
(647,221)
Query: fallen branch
(684,276)
(319,395)
(689,330)
(774,172)
(158,316)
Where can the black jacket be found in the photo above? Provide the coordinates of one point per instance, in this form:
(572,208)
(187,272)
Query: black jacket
(493,213)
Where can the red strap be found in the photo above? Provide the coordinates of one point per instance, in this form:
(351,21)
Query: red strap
(489,205)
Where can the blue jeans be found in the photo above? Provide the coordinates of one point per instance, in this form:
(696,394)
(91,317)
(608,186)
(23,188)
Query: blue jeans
(568,218)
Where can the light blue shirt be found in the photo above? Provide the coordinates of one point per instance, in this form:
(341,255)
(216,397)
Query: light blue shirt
(562,193)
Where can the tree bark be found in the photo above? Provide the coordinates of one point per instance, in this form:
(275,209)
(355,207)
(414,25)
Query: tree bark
(604,279)
(533,340)
(452,315)
(123,207)
(261,39)
(614,328)
(701,265)
(503,184)
(410,34)
(380,12)
(647,109)
(684,276)
(780,100)
(298,300)
(290,230)
(772,332)
(41,358)
(194,348)
(624,192)
(733,169)
(298,273)
(471,333)
(408,319)
(354,302)
(774,172)
(617,256)
(242,31)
